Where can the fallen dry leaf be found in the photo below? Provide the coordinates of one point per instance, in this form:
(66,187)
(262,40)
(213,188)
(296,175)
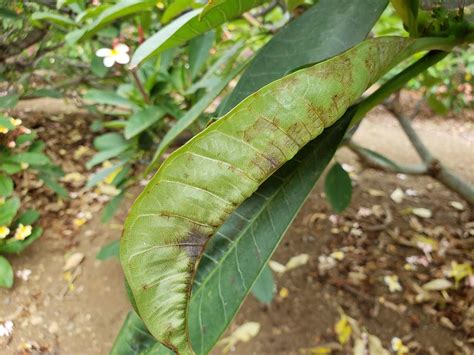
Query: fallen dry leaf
(244,333)
(73,261)
(457,205)
(438,285)
(293,263)
(297,261)
(422,212)
(397,195)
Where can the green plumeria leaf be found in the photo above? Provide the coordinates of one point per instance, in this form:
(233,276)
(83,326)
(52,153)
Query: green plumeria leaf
(312,37)
(338,188)
(6,186)
(6,273)
(199,186)
(190,25)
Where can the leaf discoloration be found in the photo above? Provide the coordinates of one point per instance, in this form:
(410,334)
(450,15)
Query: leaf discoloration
(201,183)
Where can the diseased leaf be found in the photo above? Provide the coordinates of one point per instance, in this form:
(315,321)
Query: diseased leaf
(321,32)
(338,188)
(189,26)
(248,238)
(202,183)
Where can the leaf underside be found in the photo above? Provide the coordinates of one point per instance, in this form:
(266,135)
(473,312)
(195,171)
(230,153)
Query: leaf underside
(204,181)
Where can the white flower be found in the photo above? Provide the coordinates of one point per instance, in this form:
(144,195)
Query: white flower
(6,329)
(118,54)
(23,274)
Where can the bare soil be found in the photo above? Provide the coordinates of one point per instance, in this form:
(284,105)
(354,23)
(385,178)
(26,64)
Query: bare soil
(57,315)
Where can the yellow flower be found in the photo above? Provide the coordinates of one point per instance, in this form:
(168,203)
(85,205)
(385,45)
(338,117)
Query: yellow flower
(3,130)
(398,346)
(22,232)
(343,330)
(4,231)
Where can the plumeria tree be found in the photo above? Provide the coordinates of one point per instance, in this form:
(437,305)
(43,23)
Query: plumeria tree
(256,96)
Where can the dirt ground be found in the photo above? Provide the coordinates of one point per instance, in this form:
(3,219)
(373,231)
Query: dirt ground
(82,313)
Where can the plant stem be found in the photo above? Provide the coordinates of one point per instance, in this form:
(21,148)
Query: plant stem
(140,87)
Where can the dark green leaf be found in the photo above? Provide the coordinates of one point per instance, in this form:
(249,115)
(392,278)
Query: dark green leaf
(133,337)
(437,105)
(321,32)
(30,216)
(105,155)
(109,98)
(199,48)
(112,206)
(141,120)
(53,18)
(108,141)
(98,67)
(264,287)
(121,9)
(6,122)
(54,185)
(102,174)
(174,9)
(9,101)
(111,250)
(6,273)
(47,93)
(189,26)
(31,158)
(338,188)
(8,211)
(13,246)
(6,186)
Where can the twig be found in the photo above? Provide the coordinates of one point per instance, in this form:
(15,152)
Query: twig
(434,167)
(8,50)
(267,9)
(370,161)
(252,20)
(140,87)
